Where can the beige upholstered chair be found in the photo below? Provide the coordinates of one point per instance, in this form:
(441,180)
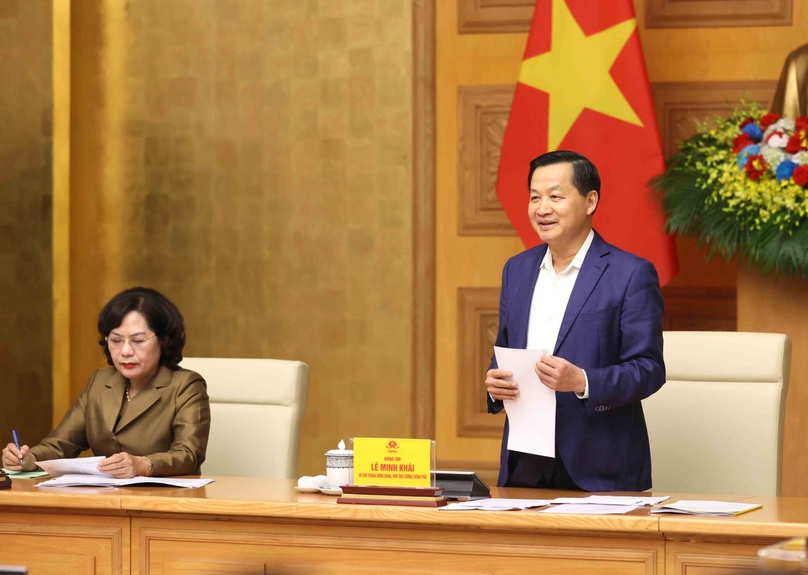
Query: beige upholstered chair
(256,408)
(716,426)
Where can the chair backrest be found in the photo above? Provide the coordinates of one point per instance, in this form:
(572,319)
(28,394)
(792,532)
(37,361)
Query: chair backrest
(716,426)
(257,408)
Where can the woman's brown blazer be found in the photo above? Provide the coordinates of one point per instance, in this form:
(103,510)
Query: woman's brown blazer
(168,421)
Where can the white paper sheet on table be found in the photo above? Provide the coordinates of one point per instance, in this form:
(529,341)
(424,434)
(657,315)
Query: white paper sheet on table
(613,500)
(82,465)
(497,504)
(585,509)
(531,416)
(79,480)
(459,507)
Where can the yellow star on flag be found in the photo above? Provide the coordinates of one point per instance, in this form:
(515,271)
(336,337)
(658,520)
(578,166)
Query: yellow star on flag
(575,73)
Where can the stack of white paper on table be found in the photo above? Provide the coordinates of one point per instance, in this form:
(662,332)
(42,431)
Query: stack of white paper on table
(83,471)
(613,500)
(601,504)
(494,504)
(589,509)
(591,505)
(708,508)
(74,480)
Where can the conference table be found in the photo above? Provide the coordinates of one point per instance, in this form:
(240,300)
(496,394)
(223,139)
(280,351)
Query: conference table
(263,526)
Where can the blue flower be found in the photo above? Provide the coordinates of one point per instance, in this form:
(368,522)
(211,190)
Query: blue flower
(784,170)
(744,154)
(754,132)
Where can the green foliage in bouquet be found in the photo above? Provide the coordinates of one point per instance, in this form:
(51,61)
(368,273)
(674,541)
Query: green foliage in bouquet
(739,187)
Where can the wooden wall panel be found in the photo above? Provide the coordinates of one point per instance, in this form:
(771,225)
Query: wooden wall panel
(482,117)
(477,323)
(494,16)
(463,261)
(61,210)
(717,13)
(770,304)
(679,105)
(501,16)
(689,303)
(700,309)
(423,213)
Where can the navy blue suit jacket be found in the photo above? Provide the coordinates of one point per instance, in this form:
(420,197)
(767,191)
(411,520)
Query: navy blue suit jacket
(612,329)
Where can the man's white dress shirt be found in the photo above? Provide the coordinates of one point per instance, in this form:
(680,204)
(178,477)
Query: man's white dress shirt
(550,298)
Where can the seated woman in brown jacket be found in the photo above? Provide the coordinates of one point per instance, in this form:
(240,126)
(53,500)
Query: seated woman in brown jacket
(145,415)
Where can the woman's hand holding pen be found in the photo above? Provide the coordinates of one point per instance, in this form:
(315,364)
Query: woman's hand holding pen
(18,459)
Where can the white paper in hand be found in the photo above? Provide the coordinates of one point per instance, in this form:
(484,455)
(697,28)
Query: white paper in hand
(532,415)
(81,465)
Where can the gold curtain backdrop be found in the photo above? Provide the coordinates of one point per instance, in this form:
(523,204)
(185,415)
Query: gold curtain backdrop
(251,160)
(26,47)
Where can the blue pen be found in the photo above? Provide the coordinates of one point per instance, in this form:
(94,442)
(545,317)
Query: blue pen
(16,436)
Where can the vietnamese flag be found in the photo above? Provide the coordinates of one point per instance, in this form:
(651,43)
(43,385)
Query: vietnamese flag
(583,87)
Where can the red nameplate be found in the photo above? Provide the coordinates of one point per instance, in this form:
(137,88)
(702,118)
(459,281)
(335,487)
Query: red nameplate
(414,502)
(390,490)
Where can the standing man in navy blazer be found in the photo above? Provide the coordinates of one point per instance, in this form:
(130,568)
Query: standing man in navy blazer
(600,310)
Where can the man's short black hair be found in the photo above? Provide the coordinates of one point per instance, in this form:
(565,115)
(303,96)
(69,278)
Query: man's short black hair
(585,175)
(162,316)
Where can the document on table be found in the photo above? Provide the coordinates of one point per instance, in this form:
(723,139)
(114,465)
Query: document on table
(613,500)
(102,481)
(531,416)
(587,509)
(709,508)
(496,504)
(83,465)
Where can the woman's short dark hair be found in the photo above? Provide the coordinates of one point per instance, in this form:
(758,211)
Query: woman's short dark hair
(162,316)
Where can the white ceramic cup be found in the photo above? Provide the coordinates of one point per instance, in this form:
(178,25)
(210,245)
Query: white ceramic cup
(339,467)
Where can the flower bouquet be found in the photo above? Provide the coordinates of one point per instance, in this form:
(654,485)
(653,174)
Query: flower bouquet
(741,188)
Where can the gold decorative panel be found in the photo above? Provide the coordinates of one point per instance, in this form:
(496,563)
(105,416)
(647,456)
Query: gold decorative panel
(679,105)
(482,117)
(494,16)
(477,323)
(25,217)
(259,172)
(717,13)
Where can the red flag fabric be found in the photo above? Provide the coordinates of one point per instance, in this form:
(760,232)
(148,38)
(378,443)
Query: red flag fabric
(583,86)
